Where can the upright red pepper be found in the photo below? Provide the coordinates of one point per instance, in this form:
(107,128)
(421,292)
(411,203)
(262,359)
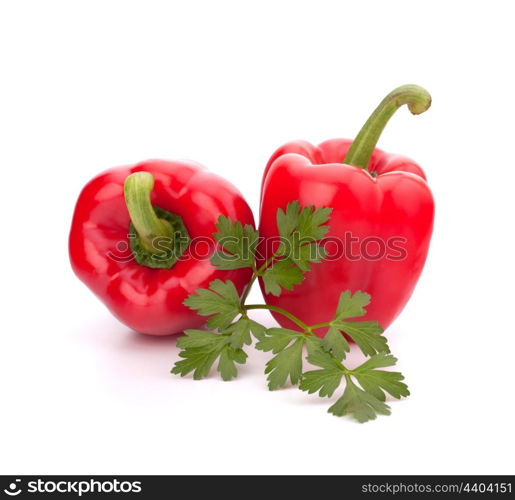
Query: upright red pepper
(381,222)
(141,239)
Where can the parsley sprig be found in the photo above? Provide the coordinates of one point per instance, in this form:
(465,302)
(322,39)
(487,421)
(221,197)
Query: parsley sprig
(301,230)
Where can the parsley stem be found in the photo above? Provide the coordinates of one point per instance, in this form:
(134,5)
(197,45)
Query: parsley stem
(266,264)
(320,325)
(249,287)
(281,311)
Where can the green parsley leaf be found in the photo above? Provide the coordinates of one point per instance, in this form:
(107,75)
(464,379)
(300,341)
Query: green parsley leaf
(359,404)
(335,343)
(221,301)
(362,403)
(309,253)
(238,243)
(228,358)
(201,349)
(381,360)
(276,339)
(282,273)
(312,222)
(288,220)
(287,345)
(239,332)
(352,305)
(326,380)
(198,360)
(307,221)
(366,334)
(318,356)
(288,363)
(197,338)
(377,382)
(300,229)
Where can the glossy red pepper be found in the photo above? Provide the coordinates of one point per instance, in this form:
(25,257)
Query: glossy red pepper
(380,226)
(174,207)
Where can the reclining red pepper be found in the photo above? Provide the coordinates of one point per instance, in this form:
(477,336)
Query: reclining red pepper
(142,237)
(378,199)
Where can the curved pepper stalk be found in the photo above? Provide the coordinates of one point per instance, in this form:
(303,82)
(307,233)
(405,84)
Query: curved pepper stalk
(157,237)
(416,98)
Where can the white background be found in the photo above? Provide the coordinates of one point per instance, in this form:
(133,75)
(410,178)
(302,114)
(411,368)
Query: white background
(88,85)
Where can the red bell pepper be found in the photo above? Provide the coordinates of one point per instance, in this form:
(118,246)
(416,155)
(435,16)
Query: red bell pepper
(141,239)
(381,204)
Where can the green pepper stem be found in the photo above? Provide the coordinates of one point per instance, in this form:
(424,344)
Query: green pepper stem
(418,101)
(137,189)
